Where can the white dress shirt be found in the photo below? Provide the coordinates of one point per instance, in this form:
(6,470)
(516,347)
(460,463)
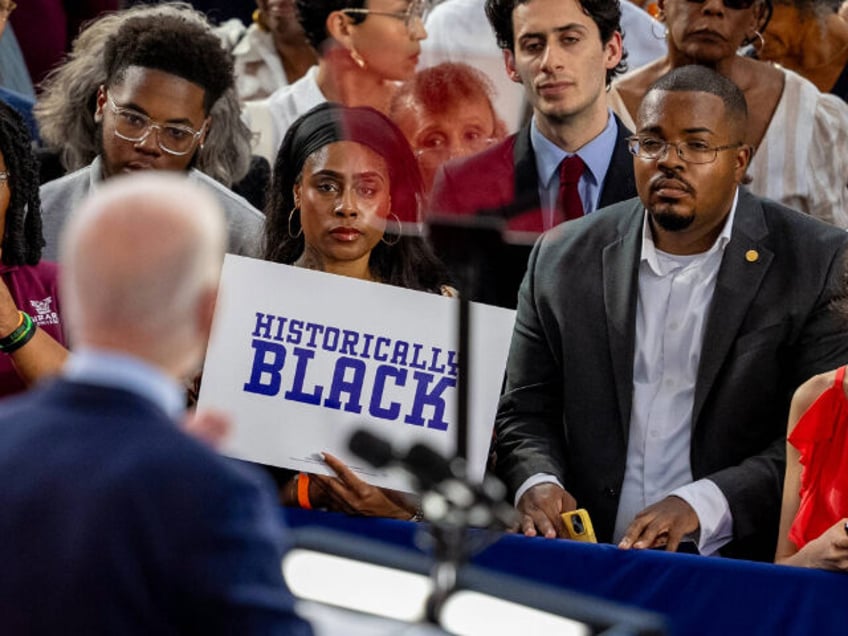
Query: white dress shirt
(675,293)
(270,118)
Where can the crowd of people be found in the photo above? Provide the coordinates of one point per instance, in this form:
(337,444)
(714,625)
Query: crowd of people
(673,191)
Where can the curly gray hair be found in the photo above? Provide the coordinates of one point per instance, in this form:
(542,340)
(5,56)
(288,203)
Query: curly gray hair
(66,104)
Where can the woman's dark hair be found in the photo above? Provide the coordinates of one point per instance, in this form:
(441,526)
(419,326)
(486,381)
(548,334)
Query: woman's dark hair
(313,14)
(22,237)
(606,14)
(405,261)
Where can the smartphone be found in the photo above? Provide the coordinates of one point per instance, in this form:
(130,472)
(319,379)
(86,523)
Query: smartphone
(579,525)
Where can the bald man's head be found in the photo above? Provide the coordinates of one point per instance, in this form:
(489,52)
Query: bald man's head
(140,261)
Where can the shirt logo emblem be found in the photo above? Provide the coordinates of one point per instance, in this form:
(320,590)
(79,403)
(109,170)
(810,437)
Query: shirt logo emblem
(44,315)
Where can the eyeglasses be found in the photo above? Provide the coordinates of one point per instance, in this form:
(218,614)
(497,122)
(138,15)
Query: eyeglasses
(416,9)
(738,5)
(688,151)
(131,125)
(6,11)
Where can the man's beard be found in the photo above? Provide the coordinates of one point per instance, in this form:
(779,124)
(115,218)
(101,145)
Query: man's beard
(671,222)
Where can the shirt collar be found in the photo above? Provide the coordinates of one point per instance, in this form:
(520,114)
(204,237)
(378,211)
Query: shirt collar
(649,249)
(596,154)
(121,371)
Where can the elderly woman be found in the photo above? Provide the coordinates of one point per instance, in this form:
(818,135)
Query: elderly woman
(809,37)
(793,128)
(446,112)
(344,182)
(31,335)
(364,47)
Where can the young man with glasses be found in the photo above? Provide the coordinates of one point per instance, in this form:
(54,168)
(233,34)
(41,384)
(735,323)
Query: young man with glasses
(164,74)
(570,158)
(651,384)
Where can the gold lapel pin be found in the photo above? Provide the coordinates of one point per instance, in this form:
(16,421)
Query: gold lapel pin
(752,256)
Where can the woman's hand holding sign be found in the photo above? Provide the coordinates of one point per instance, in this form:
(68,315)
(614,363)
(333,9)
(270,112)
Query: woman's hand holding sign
(348,493)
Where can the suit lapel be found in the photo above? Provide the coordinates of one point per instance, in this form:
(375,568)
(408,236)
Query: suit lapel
(744,265)
(619,183)
(526,177)
(620,278)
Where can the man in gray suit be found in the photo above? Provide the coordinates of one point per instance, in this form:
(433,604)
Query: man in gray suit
(657,345)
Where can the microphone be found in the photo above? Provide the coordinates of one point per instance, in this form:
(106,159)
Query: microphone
(425,464)
(374,450)
(428,466)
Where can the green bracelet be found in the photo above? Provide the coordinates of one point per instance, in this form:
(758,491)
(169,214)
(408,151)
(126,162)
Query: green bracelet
(20,336)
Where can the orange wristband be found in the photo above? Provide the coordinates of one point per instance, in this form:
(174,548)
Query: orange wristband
(303,491)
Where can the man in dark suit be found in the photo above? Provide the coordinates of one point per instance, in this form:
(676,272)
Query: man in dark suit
(653,388)
(115,521)
(571,158)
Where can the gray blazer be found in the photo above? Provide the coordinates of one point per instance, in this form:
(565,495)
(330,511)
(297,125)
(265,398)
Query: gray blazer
(61,196)
(566,403)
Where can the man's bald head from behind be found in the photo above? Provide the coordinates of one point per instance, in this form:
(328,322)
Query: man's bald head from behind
(140,261)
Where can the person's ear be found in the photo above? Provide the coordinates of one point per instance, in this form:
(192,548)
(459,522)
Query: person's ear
(204,127)
(206,311)
(339,27)
(509,62)
(743,158)
(100,104)
(296,192)
(613,50)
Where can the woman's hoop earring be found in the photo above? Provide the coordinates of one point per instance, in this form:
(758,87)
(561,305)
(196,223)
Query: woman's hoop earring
(397,236)
(291,216)
(759,39)
(664,34)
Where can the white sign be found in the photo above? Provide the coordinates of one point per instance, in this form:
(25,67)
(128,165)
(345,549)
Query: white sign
(302,359)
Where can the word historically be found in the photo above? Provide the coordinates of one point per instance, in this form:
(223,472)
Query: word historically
(388,377)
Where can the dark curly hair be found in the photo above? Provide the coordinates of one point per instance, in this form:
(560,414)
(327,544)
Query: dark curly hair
(22,237)
(312,15)
(604,13)
(172,44)
(408,261)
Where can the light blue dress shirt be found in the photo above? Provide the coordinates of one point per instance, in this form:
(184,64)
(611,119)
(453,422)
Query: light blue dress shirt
(596,154)
(120,371)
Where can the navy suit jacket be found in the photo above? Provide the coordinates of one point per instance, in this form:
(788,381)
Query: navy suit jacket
(115,522)
(502,183)
(567,400)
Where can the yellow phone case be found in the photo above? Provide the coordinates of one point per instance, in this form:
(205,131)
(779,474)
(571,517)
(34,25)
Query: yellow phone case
(579,525)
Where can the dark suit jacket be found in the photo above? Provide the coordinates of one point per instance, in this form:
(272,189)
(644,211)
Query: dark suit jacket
(115,522)
(502,183)
(566,404)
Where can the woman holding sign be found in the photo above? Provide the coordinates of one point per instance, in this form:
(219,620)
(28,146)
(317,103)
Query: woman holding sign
(345,197)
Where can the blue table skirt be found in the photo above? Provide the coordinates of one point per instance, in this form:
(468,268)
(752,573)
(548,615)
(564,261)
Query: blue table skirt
(698,595)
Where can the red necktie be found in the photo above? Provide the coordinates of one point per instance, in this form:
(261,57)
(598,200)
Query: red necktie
(569,204)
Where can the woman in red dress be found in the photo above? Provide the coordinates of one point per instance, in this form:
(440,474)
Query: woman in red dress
(813,530)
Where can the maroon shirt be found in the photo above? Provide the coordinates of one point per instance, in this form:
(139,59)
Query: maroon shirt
(34,290)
